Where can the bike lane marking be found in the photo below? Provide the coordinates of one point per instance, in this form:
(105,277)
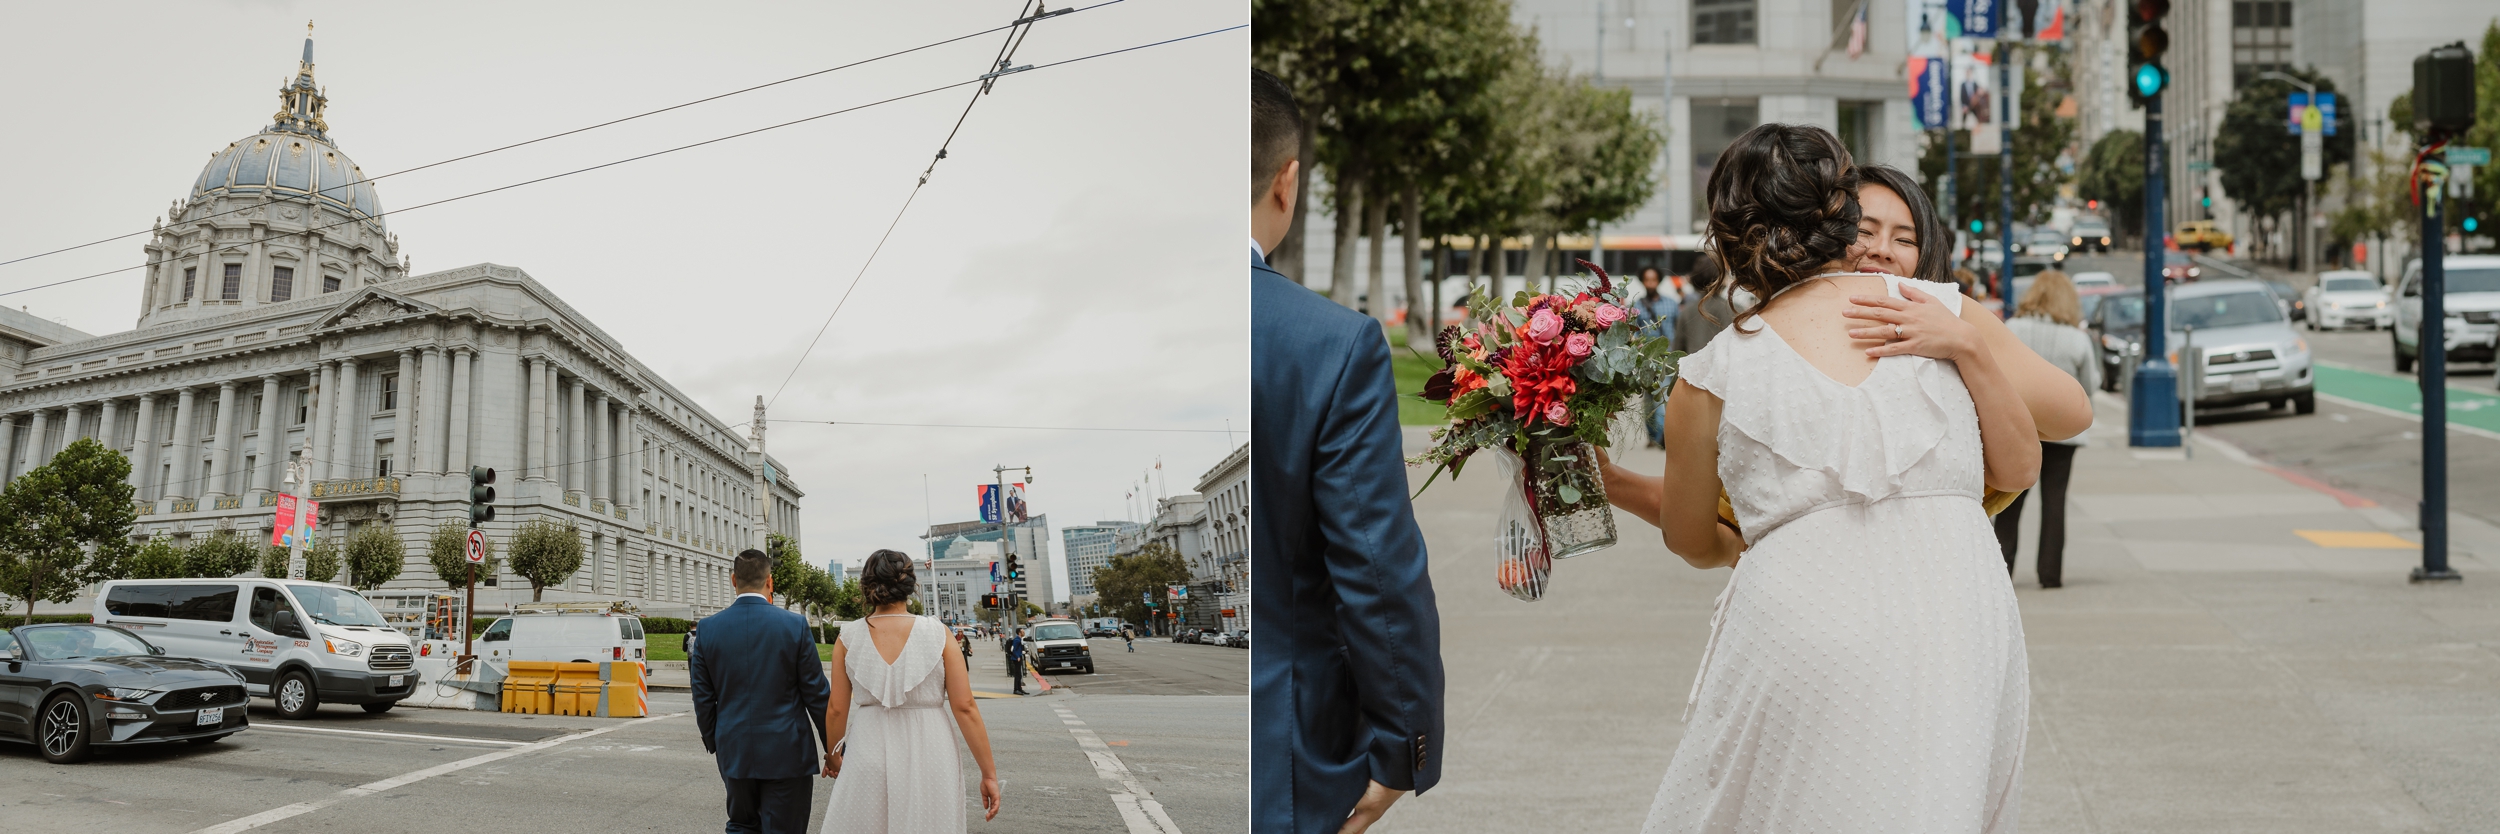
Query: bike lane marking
(241,824)
(2402,396)
(1137,805)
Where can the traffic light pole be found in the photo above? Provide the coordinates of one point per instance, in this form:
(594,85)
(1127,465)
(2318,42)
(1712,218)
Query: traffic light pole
(2433,345)
(2005,172)
(2153,395)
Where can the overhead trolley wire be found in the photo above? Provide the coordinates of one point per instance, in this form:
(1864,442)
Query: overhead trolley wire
(608,123)
(938,89)
(973,426)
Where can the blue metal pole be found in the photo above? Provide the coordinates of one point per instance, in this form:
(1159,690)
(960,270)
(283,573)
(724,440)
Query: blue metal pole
(2005,169)
(2434,348)
(2153,396)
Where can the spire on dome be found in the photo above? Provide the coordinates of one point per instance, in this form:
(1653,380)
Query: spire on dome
(300,101)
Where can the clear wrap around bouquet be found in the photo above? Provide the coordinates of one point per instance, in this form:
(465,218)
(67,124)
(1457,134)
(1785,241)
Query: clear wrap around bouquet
(1537,380)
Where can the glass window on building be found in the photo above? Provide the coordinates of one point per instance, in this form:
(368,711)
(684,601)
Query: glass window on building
(382,459)
(390,391)
(232,290)
(2261,38)
(1859,125)
(1716,124)
(281,284)
(303,405)
(190,275)
(1723,22)
(329,283)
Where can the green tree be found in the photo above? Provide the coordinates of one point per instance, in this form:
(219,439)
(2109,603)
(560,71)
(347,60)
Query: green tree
(322,560)
(2039,136)
(789,569)
(2258,160)
(66,524)
(221,554)
(374,557)
(1129,578)
(546,553)
(160,558)
(2113,173)
(273,561)
(845,600)
(447,550)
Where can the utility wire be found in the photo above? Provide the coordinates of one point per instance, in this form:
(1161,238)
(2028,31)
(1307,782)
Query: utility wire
(938,89)
(588,128)
(974,426)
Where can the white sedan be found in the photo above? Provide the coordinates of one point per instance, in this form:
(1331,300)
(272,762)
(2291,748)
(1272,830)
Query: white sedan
(2347,297)
(2086,280)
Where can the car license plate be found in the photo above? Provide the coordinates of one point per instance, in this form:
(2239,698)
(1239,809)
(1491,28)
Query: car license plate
(212,716)
(396,679)
(2243,383)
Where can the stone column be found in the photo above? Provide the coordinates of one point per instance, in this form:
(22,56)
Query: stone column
(8,449)
(221,444)
(185,447)
(456,449)
(35,440)
(143,450)
(317,433)
(347,415)
(576,475)
(632,462)
(404,421)
(554,425)
(428,456)
(72,419)
(603,480)
(534,433)
(107,423)
(272,446)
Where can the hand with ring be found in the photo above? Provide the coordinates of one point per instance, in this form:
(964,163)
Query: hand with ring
(1915,325)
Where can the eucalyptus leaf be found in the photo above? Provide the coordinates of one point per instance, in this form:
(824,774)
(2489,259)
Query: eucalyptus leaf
(1570,494)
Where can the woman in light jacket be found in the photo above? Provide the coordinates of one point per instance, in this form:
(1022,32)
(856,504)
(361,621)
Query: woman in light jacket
(2050,321)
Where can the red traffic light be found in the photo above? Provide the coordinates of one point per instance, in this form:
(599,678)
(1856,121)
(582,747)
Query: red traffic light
(2150,10)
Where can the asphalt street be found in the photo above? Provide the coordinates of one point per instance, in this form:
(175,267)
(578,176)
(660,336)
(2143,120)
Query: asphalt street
(1161,667)
(1070,761)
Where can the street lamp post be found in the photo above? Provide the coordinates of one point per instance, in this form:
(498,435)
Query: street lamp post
(1007,538)
(2153,395)
(2310,143)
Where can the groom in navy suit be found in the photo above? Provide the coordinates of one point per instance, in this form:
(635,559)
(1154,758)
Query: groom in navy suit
(1346,692)
(759,700)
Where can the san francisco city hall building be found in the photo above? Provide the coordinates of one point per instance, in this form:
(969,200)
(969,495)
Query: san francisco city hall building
(279,322)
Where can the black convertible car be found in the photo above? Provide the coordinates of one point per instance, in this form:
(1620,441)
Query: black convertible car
(71,688)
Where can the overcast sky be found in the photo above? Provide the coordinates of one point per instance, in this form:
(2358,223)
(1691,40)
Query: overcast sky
(1075,261)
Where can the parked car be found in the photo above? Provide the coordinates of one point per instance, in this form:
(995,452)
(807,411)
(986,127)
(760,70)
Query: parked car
(2472,302)
(565,637)
(2089,234)
(2202,236)
(70,688)
(2088,298)
(2293,306)
(2178,268)
(1059,644)
(1238,638)
(2088,280)
(297,642)
(2249,350)
(1214,637)
(2048,243)
(2345,297)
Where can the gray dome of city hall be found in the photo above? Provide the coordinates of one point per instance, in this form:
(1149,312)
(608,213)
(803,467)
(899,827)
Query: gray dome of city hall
(280,322)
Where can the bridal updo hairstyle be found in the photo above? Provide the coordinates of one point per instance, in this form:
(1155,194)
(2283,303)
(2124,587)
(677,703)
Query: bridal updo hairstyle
(887,578)
(1783,205)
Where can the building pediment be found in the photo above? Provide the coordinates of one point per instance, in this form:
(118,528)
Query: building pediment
(369,305)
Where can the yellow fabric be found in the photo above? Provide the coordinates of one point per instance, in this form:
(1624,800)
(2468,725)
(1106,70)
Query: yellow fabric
(1996,502)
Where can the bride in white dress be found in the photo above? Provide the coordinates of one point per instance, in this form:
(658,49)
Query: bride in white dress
(1865,670)
(895,765)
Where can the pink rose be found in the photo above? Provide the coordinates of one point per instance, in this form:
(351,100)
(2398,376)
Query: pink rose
(1558,414)
(1608,314)
(1544,327)
(1579,345)
(1473,343)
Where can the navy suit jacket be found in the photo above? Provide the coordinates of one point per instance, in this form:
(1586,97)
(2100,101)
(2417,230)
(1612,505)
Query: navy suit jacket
(759,692)
(1345,679)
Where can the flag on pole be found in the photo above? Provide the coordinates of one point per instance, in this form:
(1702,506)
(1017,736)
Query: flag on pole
(1857,33)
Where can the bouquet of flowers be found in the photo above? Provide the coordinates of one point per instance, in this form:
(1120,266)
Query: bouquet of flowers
(1537,379)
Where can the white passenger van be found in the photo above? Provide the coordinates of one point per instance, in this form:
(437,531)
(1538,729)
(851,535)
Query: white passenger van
(297,642)
(574,632)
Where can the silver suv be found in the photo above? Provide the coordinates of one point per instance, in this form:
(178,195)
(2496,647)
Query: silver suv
(2472,303)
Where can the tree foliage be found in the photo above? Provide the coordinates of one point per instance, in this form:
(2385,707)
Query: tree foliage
(220,555)
(546,553)
(160,558)
(845,599)
(2257,158)
(374,557)
(789,569)
(65,524)
(2113,173)
(447,550)
(1129,578)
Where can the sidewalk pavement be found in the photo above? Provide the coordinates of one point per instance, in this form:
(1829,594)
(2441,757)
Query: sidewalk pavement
(2207,666)
(988,670)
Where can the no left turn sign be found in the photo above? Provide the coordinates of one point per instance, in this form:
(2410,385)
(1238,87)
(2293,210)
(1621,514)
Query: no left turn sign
(477,547)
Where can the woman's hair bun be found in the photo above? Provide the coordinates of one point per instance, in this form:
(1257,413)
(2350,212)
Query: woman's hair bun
(888,578)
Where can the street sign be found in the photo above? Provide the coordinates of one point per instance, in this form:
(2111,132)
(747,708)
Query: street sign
(477,547)
(2469,156)
(2200,166)
(2297,114)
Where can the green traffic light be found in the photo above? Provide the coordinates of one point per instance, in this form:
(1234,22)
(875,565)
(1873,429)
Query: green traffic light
(2471,224)
(2150,79)
(1977,226)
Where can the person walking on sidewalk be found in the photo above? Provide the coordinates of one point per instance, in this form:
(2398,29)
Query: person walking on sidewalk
(1347,694)
(887,743)
(2049,320)
(759,700)
(1128,636)
(1015,660)
(965,637)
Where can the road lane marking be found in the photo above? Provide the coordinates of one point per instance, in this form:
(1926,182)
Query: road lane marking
(1137,805)
(2372,539)
(457,739)
(241,824)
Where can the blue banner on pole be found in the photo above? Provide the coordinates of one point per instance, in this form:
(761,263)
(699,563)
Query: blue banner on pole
(1974,18)
(989,502)
(1929,100)
(2326,113)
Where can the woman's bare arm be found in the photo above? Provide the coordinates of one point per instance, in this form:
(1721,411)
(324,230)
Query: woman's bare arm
(837,710)
(976,732)
(1687,506)
(2059,406)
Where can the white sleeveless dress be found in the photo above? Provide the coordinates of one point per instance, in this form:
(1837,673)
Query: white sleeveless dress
(900,770)
(1865,670)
